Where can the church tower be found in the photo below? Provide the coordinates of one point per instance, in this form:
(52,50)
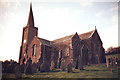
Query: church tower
(29,32)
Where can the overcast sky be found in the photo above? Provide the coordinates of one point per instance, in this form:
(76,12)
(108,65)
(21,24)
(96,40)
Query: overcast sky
(55,20)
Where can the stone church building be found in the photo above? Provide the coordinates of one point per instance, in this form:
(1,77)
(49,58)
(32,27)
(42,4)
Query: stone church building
(86,48)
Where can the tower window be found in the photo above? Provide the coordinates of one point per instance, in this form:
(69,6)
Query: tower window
(34,50)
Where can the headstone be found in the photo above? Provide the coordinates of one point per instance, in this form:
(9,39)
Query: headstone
(18,73)
(76,64)
(69,68)
(44,67)
(11,66)
(52,65)
(22,68)
(80,63)
(81,57)
(34,68)
(63,67)
(28,68)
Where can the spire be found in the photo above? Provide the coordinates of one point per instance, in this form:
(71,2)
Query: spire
(30,17)
(95,28)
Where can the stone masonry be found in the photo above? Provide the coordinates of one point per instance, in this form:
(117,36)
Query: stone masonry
(60,52)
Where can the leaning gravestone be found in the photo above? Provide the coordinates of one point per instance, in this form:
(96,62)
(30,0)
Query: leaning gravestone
(18,73)
(69,68)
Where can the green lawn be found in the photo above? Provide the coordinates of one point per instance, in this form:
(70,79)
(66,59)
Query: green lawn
(113,55)
(93,71)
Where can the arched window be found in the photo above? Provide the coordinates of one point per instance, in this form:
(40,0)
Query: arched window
(26,50)
(34,50)
(23,61)
(66,51)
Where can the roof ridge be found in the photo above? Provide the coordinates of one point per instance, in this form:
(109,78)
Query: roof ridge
(42,38)
(87,32)
(86,35)
(63,37)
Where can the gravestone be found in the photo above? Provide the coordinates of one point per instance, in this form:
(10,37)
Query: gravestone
(52,65)
(81,57)
(63,67)
(80,63)
(44,67)
(34,68)
(28,68)
(22,68)
(18,73)
(76,64)
(69,68)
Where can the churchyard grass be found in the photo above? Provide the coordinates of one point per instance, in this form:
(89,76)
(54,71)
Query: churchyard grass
(92,71)
(113,55)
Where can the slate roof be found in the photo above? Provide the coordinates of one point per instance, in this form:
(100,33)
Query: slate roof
(44,41)
(66,38)
(82,36)
(86,35)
